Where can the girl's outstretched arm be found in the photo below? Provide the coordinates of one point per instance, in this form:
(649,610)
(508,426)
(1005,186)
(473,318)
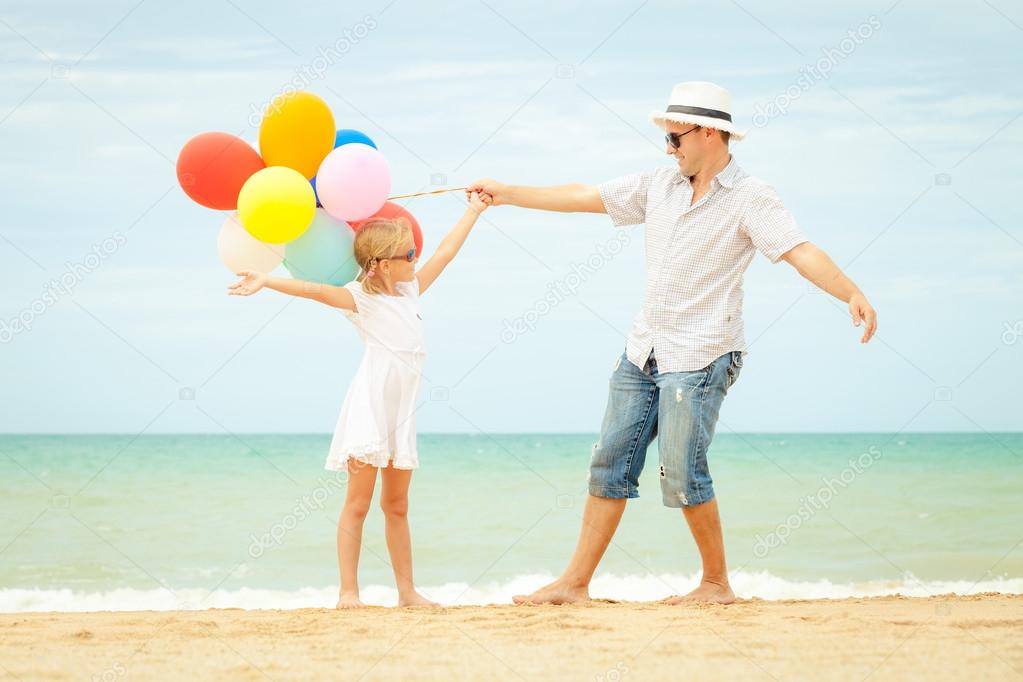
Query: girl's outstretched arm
(452,242)
(252,281)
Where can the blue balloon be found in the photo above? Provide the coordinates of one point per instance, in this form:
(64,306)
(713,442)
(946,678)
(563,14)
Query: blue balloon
(324,253)
(346,135)
(312,181)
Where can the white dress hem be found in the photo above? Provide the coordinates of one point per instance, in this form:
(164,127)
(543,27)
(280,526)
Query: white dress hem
(373,455)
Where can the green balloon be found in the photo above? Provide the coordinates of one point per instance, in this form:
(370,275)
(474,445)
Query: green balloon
(324,252)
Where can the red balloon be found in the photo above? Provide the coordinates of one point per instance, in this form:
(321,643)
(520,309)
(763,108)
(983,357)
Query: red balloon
(212,167)
(391,210)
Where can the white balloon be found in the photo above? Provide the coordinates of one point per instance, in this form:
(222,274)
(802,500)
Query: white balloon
(239,250)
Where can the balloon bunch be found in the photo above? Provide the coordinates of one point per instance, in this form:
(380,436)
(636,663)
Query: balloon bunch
(300,198)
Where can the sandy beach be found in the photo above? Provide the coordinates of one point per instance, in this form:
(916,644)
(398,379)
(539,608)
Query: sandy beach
(884,638)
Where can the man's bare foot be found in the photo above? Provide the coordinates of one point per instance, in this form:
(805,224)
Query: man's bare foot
(706,592)
(413,598)
(349,600)
(555,593)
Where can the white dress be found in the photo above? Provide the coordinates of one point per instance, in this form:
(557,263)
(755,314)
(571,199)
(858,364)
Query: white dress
(377,423)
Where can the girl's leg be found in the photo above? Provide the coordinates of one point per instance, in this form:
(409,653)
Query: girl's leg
(394,502)
(361,479)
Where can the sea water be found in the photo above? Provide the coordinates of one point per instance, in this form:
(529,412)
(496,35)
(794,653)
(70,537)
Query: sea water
(113,522)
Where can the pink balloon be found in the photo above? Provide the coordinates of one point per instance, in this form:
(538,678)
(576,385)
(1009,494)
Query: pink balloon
(353,181)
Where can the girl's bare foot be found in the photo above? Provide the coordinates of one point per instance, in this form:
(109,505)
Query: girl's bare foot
(555,593)
(706,592)
(413,598)
(349,600)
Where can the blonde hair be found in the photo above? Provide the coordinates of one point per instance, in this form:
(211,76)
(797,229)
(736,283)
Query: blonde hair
(376,240)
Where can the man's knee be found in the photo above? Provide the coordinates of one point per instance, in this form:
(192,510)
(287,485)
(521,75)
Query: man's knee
(679,499)
(605,492)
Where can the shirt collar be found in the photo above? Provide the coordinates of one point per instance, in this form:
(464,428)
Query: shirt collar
(726,177)
(729,174)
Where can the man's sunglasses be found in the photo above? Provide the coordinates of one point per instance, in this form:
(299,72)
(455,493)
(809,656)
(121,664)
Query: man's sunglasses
(675,139)
(410,256)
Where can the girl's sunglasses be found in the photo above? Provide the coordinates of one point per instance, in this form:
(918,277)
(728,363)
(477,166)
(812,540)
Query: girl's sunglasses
(410,256)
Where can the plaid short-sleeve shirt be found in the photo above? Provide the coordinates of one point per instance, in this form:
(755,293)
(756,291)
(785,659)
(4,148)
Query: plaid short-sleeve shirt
(695,259)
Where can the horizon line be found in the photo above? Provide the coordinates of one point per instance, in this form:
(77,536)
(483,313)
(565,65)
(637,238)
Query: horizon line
(484,433)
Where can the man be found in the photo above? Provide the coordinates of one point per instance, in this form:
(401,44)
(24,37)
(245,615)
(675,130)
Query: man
(704,218)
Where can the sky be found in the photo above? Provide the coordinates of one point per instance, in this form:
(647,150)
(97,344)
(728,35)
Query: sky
(890,129)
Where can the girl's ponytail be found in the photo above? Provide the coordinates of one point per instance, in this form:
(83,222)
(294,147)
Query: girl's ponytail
(376,240)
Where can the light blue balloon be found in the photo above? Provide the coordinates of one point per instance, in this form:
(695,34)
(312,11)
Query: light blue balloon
(324,253)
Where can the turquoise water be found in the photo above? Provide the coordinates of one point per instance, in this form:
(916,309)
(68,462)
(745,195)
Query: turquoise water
(124,522)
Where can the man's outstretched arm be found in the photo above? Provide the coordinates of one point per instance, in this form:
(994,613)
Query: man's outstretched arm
(575,198)
(815,265)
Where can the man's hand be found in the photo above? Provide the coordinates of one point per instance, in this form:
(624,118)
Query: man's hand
(815,265)
(574,198)
(497,191)
(862,311)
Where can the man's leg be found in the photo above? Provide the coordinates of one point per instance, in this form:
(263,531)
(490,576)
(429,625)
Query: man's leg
(689,407)
(705,525)
(600,520)
(630,422)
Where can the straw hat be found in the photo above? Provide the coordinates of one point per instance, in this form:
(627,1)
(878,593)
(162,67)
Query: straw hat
(699,103)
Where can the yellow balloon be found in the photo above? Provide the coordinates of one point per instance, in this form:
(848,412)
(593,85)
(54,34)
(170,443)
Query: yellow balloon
(276,205)
(297,131)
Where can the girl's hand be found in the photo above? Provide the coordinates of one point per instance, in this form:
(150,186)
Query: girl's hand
(250,282)
(479,201)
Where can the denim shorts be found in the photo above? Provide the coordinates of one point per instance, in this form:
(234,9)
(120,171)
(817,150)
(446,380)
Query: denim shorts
(680,409)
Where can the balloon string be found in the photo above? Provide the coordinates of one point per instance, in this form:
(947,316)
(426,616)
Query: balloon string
(420,194)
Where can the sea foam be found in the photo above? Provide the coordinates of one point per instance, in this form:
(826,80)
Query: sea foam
(761,585)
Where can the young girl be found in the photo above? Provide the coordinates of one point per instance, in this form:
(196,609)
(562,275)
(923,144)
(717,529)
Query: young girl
(376,427)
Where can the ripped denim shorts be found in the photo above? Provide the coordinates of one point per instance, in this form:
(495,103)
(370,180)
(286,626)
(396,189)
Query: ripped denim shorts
(680,409)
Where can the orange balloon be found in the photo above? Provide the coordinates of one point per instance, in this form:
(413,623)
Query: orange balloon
(297,131)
